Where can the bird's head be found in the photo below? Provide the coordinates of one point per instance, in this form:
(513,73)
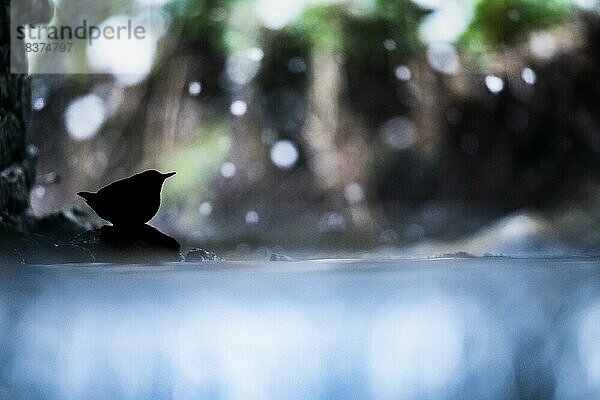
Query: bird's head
(157,177)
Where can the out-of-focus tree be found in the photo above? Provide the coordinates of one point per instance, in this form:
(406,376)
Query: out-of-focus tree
(522,132)
(188,100)
(390,31)
(199,25)
(351,50)
(505,22)
(17,158)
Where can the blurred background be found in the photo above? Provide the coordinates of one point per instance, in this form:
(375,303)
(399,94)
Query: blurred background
(317,128)
(331,124)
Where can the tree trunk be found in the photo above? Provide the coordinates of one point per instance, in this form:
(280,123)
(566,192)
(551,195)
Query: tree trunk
(339,155)
(17,166)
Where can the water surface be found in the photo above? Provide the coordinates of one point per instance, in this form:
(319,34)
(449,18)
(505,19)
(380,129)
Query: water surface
(493,328)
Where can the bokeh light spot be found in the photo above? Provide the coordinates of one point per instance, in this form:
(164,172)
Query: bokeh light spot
(239,108)
(205,208)
(39,104)
(443,58)
(252,217)
(399,133)
(402,73)
(228,169)
(494,83)
(84,117)
(354,193)
(284,154)
(195,88)
(528,75)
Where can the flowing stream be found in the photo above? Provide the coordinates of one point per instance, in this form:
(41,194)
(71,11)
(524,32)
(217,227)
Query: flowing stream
(472,328)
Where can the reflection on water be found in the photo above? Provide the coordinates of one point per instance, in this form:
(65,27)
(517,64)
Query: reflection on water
(426,350)
(588,344)
(408,329)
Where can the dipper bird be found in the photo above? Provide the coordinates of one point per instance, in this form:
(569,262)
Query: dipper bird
(130,201)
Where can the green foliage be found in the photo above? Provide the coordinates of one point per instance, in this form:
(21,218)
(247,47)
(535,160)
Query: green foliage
(321,27)
(242,26)
(360,35)
(395,21)
(197,162)
(506,22)
(201,22)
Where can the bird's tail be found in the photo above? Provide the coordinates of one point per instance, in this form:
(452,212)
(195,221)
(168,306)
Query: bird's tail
(87,196)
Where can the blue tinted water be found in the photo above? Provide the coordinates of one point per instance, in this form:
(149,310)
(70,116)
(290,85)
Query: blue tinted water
(478,328)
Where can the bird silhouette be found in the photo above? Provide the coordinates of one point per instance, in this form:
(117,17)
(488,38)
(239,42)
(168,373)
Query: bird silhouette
(131,201)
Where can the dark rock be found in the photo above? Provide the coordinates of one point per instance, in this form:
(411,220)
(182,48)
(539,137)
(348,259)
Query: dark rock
(280,257)
(198,255)
(66,224)
(49,233)
(14,223)
(146,234)
(143,244)
(133,245)
(22,248)
(9,251)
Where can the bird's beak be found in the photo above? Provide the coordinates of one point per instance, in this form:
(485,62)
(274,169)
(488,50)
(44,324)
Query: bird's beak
(168,175)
